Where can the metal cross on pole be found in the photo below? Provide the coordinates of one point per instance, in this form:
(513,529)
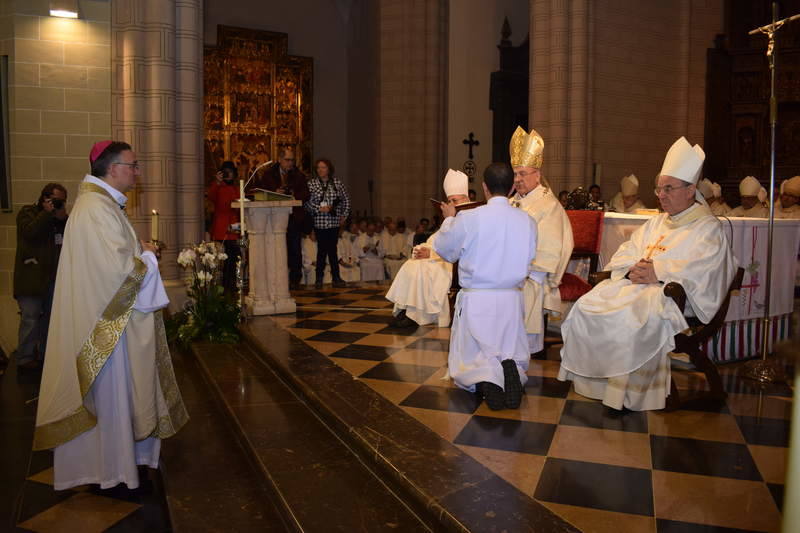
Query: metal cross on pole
(763,370)
(471,141)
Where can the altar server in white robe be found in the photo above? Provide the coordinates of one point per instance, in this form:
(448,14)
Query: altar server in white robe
(627,199)
(394,250)
(108,393)
(617,336)
(494,246)
(348,259)
(719,207)
(370,254)
(790,199)
(419,291)
(309,251)
(534,196)
(753,196)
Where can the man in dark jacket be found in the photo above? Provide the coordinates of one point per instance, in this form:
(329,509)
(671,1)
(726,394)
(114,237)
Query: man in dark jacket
(286,178)
(40,231)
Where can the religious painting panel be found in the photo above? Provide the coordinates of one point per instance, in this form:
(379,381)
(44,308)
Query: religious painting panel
(248,151)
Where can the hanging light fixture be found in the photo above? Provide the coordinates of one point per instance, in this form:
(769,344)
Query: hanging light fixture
(64,8)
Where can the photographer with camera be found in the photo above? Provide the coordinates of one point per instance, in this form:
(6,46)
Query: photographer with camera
(40,232)
(221,193)
(329,204)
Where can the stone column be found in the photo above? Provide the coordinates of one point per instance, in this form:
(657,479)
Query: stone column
(412,96)
(560,88)
(156,107)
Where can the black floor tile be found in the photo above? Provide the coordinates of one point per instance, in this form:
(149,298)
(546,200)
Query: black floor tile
(362,351)
(764,431)
(776,490)
(373,319)
(317,294)
(442,399)
(337,336)
(737,384)
(316,324)
(400,372)
(408,332)
(597,415)
(40,460)
(703,457)
(143,519)
(624,489)
(671,526)
(334,301)
(302,313)
(366,291)
(38,497)
(550,387)
(376,298)
(439,345)
(507,434)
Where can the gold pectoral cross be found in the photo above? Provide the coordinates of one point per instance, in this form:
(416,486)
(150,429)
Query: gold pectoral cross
(653,247)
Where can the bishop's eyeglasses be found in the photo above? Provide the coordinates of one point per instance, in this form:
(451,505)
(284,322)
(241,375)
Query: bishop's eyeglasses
(667,189)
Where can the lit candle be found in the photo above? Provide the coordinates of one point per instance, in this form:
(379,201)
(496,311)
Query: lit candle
(241,207)
(154,226)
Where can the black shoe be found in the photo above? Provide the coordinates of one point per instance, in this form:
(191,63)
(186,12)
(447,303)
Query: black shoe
(397,318)
(405,322)
(339,284)
(512,384)
(491,394)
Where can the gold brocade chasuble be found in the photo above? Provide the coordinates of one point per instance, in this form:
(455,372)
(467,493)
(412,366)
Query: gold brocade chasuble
(99,276)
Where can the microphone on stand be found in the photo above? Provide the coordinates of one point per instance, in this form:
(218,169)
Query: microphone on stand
(255,170)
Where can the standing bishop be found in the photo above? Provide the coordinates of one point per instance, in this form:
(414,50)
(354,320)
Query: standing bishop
(108,394)
(618,335)
(494,246)
(554,246)
(419,291)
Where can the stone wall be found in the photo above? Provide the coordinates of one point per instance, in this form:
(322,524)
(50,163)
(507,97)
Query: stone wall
(59,104)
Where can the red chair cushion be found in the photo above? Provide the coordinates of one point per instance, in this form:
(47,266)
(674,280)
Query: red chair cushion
(572,287)
(587,230)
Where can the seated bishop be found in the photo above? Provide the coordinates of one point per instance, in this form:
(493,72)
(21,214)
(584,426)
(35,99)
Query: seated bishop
(753,196)
(790,199)
(617,337)
(554,246)
(627,199)
(419,291)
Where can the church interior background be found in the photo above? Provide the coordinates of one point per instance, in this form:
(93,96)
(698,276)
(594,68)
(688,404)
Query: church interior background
(394,91)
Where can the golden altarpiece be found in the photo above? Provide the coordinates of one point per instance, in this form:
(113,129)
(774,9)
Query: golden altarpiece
(257,100)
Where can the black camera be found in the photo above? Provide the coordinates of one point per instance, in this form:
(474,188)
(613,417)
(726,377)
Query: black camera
(58,203)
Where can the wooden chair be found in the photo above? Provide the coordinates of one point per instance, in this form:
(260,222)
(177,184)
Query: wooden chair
(691,343)
(587,233)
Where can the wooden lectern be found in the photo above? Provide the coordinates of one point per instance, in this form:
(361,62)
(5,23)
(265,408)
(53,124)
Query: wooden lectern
(266,222)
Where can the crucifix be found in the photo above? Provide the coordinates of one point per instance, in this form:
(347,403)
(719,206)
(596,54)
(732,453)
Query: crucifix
(471,141)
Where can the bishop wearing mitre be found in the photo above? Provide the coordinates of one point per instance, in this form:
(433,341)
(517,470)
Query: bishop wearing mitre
(627,199)
(554,246)
(618,335)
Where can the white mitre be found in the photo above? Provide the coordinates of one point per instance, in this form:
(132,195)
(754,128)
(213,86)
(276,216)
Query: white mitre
(762,195)
(706,188)
(792,186)
(749,186)
(629,185)
(683,161)
(456,182)
(716,188)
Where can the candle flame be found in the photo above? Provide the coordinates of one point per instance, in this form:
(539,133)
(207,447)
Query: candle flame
(155,212)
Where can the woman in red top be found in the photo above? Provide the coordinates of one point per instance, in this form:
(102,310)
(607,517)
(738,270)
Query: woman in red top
(221,193)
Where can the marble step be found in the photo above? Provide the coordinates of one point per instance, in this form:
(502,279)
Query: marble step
(319,483)
(454,491)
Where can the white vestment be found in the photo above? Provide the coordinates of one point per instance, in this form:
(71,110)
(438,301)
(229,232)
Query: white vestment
(108,392)
(553,252)
(421,286)
(370,261)
(618,335)
(720,209)
(618,204)
(789,212)
(757,211)
(348,260)
(394,250)
(310,263)
(494,246)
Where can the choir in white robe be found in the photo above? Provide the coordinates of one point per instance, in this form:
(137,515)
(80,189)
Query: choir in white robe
(720,208)
(394,250)
(788,212)
(349,270)
(618,204)
(553,253)
(757,211)
(309,252)
(494,246)
(421,286)
(618,335)
(371,260)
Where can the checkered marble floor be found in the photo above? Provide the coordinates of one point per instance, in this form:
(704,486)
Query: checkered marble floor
(604,471)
